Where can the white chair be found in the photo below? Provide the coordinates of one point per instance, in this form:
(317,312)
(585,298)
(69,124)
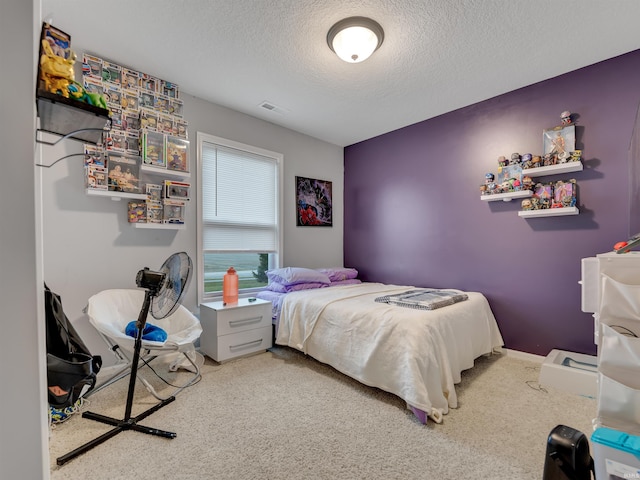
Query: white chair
(111,310)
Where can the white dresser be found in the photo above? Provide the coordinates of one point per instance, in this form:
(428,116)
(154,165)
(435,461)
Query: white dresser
(230,331)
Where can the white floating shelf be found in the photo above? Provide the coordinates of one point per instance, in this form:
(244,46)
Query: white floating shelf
(161,226)
(506,197)
(549,212)
(165,172)
(553,169)
(117,196)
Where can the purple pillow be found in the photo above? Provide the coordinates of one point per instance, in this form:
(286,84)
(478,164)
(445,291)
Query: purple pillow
(348,281)
(339,273)
(280,288)
(294,275)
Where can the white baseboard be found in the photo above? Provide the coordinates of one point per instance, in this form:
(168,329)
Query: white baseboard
(523,355)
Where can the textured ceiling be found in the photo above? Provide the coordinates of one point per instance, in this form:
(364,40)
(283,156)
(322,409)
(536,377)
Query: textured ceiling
(437,55)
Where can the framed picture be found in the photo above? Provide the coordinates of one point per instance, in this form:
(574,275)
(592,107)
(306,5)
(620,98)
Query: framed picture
(559,142)
(314,206)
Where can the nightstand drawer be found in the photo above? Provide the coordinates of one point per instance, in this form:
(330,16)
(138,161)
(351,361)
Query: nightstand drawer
(220,320)
(239,344)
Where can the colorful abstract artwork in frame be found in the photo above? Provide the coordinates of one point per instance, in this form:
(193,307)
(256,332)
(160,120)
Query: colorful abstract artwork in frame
(314,206)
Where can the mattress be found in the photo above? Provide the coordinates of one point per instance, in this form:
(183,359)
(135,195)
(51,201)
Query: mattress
(415,354)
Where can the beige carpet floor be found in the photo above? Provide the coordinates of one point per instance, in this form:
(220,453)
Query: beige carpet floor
(281,415)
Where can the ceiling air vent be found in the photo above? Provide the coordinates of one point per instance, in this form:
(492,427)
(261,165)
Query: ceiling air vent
(273,108)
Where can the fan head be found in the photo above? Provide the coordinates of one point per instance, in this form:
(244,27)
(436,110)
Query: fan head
(177,275)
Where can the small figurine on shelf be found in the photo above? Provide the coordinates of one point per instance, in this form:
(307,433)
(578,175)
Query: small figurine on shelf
(527,204)
(565,117)
(576,156)
(536,161)
(502,161)
(527,160)
(516,159)
(527,183)
(506,186)
(548,159)
(56,72)
(535,203)
(489,183)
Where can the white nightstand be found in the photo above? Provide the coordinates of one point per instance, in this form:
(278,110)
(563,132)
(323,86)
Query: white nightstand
(230,331)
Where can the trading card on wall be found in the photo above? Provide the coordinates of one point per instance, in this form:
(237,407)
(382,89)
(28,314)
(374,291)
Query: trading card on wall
(123,174)
(92,66)
(148,120)
(130,78)
(111,73)
(93,155)
(96,177)
(153,148)
(177,153)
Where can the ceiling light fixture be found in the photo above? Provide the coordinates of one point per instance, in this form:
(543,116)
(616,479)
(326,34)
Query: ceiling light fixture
(354,39)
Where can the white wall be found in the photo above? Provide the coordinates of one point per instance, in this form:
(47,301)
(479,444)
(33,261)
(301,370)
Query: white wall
(23,422)
(89,245)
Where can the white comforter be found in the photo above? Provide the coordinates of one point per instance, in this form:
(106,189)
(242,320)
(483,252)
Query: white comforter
(417,355)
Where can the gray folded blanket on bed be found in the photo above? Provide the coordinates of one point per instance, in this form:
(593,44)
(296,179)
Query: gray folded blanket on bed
(424,298)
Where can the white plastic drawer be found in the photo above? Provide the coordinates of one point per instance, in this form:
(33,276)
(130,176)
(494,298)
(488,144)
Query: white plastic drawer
(242,343)
(219,320)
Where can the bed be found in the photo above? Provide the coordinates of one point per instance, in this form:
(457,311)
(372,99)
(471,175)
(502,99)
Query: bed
(417,354)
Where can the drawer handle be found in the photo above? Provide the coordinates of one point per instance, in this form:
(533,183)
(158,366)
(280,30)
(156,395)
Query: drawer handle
(245,345)
(244,321)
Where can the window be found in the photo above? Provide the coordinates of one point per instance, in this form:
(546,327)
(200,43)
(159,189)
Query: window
(238,214)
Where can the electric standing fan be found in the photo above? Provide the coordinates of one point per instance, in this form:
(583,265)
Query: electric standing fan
(164,290)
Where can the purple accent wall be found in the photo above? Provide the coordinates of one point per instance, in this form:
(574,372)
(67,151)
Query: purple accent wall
(413,214)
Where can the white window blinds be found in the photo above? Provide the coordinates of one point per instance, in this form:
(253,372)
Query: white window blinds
(239,200)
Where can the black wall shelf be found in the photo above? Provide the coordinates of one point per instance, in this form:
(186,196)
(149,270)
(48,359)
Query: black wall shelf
(71,118)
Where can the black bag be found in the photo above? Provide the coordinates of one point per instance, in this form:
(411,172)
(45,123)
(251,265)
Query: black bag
(71,369)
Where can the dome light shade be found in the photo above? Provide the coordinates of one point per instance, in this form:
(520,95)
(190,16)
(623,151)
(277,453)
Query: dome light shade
(354,39)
